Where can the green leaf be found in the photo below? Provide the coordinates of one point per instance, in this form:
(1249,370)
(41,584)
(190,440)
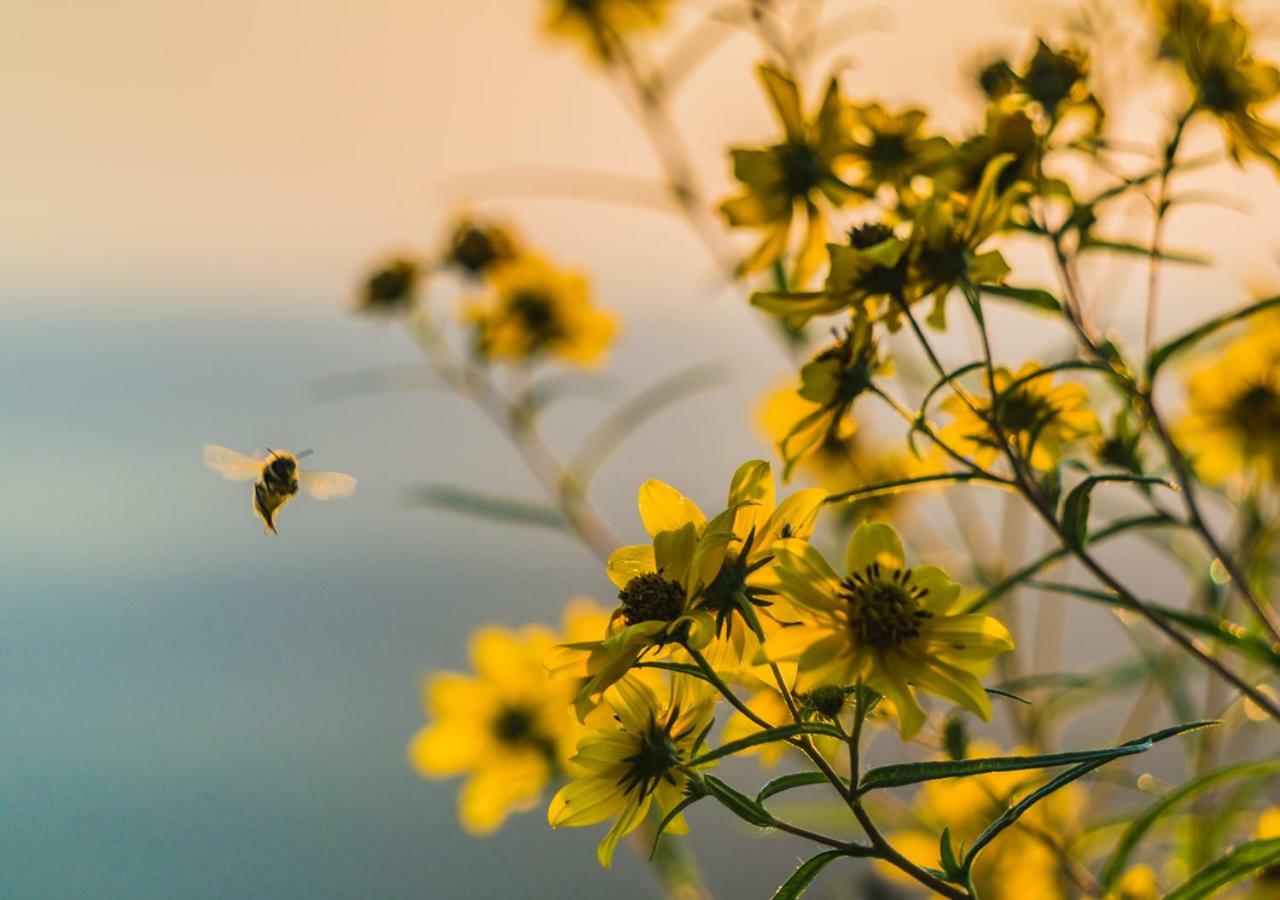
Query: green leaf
(885,488)
(1240,863)
(738,803)
(1062,779)
(682,668)
(1133,249)
(1075,511)
(1033,297)
(803,876)
(901,774)
(670,817)
(1008,695)
(787,782)
(781,733)
(1162,354)
(487,506)
(1128,842)
(947,857)
(1220,630)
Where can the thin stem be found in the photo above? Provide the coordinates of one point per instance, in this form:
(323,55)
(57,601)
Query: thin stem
(474,384)
(725,691)
(1157,228)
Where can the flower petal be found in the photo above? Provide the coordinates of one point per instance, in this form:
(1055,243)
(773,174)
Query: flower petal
(663,508)
(874,542)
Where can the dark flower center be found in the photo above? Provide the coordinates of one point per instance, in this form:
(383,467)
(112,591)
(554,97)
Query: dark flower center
(884,606)
(513,725)
(476,249)
(802,171)
(887,150)
(651,598)
(868,235)
(1023,411)
(537,313)
(1257,411)
(391,286)
(1219,92)
(655,757)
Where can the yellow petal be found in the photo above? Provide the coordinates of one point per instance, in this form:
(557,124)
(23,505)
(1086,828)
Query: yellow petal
(874,542)
(663,508)
(585,801)
(491,794)
(626,563)
(632,815)
(442,750)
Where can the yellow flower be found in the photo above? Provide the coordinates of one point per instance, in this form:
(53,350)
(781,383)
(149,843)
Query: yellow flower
(1021,863)
(599,25)
(1232,425)
(641,760)
(1213,48)
(391,288)
(686,586)
(799,174)
(845,459)
(507,727)
(891,148)
(475,246)
(533,309)
(884,624)
(1039,420)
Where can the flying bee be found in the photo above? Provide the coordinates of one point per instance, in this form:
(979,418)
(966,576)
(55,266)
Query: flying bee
(276,479)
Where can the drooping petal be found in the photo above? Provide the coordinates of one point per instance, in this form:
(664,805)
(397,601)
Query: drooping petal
(958,685)
(888,680)
(630,817)
(584,801)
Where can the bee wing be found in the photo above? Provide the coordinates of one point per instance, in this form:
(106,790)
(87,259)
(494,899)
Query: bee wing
(231,465)
(327,485)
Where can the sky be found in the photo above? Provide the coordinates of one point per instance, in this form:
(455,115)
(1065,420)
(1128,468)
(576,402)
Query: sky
(191,191)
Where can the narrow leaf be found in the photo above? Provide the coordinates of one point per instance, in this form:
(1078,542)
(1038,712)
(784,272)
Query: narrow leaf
(487,506)
(1033,297)
(787,782)
(1240,863)
(1129,840)
(803,876)
(1075,511)
(738,803)
(1162,354)
(781,733)
(1062,779)
(1133,249)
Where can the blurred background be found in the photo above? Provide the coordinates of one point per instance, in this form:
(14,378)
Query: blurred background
(191,193)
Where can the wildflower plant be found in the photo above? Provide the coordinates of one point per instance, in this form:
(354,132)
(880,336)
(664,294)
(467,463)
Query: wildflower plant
(879,245)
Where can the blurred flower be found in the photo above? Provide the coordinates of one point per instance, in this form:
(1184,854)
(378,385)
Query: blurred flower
(884,624)
(1022,863)
(830,383)
(598,25)
(1137,883)
(642,758)
(1039,420)
(797,174)
(946,237)
(1232,425)
(391,288)
(533,309)
(844,459)
(1057,80)
(1213,49)
(507,727)
(476,247)
(892,149)
(1010,131)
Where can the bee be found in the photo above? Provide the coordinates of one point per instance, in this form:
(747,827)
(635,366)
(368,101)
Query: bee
(276,479)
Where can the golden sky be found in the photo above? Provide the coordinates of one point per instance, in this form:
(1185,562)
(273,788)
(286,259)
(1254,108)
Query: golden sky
(244,153)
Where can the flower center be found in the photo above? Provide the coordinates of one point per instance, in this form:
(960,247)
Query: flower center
(656,755)
(1256,410)
(801,169)
(887,150)
(884,607)
(513,725)
(537,313)
(1023,411)
(651,598)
